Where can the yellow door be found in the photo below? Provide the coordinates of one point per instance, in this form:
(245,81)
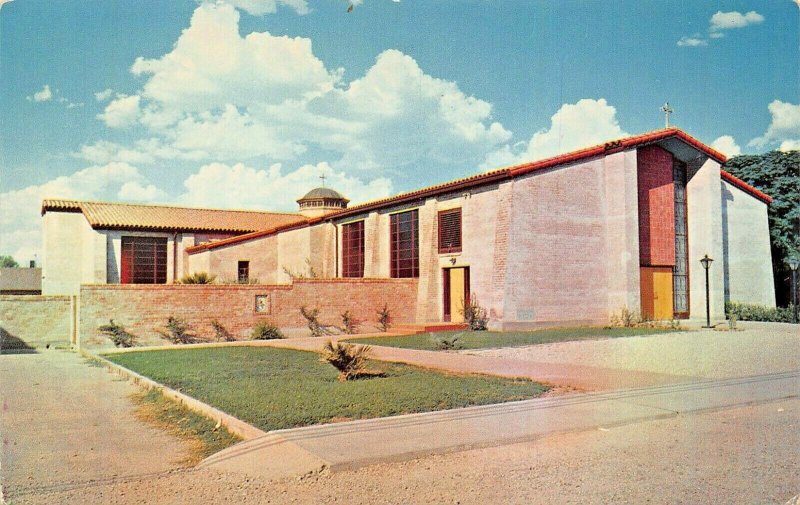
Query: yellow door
(656,284)
(662,295)
(457,289)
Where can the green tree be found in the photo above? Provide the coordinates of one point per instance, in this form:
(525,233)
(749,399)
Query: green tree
(8,262)
(778,175)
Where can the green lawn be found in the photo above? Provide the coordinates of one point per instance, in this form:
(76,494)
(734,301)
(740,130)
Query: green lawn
(493,339)
(277,388)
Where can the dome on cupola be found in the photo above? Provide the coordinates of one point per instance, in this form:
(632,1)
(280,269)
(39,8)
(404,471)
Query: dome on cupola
(322,201)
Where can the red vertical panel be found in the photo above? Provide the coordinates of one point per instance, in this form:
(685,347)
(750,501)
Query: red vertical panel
(446,290)
(126,260)
(466,286)
(656,207)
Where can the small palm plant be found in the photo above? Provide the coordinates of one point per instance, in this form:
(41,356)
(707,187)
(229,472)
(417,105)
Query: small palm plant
(347,358)
(198,278)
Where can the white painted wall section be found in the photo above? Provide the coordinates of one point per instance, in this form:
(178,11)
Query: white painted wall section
(746,248)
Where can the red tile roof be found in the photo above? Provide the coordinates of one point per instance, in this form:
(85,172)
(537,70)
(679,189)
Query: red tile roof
(508,173)
(122,216)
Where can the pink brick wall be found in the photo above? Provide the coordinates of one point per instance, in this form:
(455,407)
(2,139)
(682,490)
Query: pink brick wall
(656,207)
(143,310)
(556,261)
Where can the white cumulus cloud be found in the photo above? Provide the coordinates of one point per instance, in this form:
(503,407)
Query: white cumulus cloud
(784,128)
(102,96)
(727,145)
(43,95)
(121,112)
(240,186)
(229,97)
(719,23)
(261,7)
(136,191)
(729,20)
(211,66)
(692,42)
(20,221)
(582,124)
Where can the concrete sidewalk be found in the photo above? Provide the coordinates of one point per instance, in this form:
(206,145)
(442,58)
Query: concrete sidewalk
(289,453)
(584,378)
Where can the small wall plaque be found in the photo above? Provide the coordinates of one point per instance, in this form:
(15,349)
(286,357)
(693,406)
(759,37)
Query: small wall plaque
(263,304)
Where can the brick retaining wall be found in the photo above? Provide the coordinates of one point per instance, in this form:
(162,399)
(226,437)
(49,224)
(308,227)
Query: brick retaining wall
(144,309)
(29,321)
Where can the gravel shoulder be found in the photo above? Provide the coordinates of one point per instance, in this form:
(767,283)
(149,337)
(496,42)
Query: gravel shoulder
(64,421)
(743,455)
(758,348)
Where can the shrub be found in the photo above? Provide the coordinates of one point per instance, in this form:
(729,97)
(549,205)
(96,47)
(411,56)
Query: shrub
(732,318)
(626,318)
(117,334)
(448,342)
(349,323)
(384,318)
(310,274)
(752,312)
(221,333)
(265,330)
(178,331)
(474,315)
(312,319)
(198,278)
(347,358)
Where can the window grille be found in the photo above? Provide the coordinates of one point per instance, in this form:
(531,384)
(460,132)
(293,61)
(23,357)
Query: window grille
(404,231)
(144,260)
(353,249)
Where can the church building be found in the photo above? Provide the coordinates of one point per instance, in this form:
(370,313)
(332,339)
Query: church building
(568,240)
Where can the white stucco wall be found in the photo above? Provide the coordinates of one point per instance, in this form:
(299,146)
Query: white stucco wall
(62,263)
(294,247)
(746,248)
(704,219)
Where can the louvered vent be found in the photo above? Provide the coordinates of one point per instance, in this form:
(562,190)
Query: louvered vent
(450,231)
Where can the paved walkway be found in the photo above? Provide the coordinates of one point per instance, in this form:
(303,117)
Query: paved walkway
(580,377)
(66,423)
(358,443)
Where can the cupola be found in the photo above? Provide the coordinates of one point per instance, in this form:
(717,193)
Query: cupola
(321,202)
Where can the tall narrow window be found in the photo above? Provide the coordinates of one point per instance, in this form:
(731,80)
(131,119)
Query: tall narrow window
(680,272)
(243,270)
(144,260)
(404,229)
(450,231)
(353,249)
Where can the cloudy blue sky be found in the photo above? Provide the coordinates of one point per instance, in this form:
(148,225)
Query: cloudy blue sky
(243,103)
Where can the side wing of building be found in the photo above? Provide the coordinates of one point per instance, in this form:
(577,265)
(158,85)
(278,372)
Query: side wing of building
(746,248)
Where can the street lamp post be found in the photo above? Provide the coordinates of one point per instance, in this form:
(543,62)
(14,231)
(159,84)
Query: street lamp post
(793,264)
(706,262)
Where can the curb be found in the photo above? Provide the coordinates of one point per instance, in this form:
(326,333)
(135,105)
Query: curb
(233,424)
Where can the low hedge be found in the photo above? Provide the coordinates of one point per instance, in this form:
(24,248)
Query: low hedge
(752,312)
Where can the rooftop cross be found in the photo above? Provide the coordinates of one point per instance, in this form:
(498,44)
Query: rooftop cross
(667,110)
(323,179)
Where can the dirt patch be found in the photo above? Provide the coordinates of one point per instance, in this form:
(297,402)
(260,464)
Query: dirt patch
(202,435)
